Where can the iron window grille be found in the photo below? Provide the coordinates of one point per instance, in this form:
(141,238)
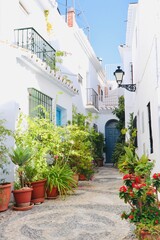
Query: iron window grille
(37,99)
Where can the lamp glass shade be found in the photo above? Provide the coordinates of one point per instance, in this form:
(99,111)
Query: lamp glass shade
(119,75)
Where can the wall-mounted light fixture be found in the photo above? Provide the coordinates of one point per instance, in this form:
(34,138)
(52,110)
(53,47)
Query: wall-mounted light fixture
(119,73)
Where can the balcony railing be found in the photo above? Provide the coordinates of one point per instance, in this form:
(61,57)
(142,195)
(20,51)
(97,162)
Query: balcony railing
(92,98)
(30,39)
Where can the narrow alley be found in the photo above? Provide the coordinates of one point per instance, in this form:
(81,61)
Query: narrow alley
(91,213)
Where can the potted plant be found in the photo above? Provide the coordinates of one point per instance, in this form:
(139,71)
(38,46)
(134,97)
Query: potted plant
(22,193)
(142,198)
(98,141)
(5,187)
(59,180)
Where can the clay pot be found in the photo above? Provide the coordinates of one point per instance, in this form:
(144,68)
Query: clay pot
(76,178)
(5,194)
(38,193)
(53,193)
(23,197)
(82,177)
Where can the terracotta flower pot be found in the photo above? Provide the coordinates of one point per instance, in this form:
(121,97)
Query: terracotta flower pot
(53,193)
(5,194)
(145,234)
(38,194)
(82,177)
(76,178)
(23,197)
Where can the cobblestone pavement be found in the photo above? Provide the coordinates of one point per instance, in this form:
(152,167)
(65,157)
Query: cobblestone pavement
(91,213)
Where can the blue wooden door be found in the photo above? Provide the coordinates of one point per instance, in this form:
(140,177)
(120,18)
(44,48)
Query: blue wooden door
(111,136)
(58,117)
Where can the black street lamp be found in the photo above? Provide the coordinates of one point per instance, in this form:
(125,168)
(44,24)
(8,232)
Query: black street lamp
(119,73)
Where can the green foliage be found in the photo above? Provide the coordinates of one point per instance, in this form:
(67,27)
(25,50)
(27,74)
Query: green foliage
(140,191)
(60,176)
(144,166)
(4,151)
(119,151)
(69,144)
(128,162)
(120,114)
(36,134)
(20,157)
(98,144)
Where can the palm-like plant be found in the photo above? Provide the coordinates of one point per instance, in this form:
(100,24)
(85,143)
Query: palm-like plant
(20,156)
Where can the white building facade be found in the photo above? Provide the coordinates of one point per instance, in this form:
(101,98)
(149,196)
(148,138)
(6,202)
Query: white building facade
(31,32)
(141,60)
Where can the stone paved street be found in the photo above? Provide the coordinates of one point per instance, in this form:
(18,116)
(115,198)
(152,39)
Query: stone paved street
(91,213)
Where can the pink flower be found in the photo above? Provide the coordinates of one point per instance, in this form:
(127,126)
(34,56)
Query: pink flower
(56,157)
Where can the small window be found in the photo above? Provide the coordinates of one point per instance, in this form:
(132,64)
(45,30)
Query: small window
(150,127)
(37,98)
(135,126)
(95,127)
(101,95)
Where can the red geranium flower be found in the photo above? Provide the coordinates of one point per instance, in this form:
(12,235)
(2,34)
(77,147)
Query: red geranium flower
(137,180)
(127,176)
(123,189)
(131,216)
(138,186)
(155,175)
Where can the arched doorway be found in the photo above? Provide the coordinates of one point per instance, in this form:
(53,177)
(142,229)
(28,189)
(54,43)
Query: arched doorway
(111,136)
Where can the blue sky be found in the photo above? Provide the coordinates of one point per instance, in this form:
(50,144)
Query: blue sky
(106,21)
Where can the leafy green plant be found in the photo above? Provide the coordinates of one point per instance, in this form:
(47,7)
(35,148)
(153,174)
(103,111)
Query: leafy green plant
(119,151)
(4,151)
(141,195)
(144,167)
(128,162)
(120,114)
(60,176)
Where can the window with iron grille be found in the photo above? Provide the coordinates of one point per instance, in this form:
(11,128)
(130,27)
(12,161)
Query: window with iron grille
(37,98)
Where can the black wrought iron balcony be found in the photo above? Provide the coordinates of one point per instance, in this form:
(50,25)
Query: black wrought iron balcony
(30,39)
(92,100)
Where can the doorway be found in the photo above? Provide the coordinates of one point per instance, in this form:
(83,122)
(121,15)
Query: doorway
(111,136)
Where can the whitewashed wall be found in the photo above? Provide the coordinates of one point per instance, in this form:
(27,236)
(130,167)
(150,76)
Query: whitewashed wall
(144,52)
